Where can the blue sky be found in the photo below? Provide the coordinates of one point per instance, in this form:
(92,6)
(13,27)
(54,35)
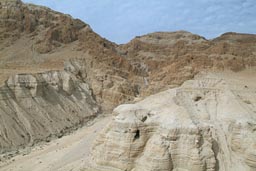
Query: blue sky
(120,20)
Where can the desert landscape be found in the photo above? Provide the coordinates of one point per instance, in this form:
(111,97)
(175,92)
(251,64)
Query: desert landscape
(71,100)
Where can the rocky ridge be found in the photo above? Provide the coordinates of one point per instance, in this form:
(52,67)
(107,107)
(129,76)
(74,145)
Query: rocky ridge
(168,59)
(49,28)
(40,41)
(144,66)
(56,38)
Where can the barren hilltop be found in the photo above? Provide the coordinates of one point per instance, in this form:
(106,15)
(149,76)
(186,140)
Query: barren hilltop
(56,74)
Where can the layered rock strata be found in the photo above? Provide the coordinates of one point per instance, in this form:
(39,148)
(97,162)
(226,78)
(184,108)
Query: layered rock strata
(38,107)
(205,125)
(170,58)
(36,39)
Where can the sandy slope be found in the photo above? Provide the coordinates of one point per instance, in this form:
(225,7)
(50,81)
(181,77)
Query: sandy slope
(68,153)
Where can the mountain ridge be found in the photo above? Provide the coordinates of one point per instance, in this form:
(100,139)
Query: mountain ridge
(39,41)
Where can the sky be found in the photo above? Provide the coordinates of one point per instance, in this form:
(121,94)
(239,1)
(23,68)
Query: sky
(121,20)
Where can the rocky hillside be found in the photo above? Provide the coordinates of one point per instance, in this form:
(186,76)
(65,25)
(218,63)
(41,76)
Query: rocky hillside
(31,34)
(37,39)
(39,107)
(171,58)
(37,43)
(207,124)
(55,74)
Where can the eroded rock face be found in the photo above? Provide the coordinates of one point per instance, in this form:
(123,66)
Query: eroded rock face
(34,39)
(207,124)
(50,29)
(170,58)
(110,84)
(38,107)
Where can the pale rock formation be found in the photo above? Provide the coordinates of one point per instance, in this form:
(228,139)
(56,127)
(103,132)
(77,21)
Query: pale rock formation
(38,107)
(207,124)
(35,39)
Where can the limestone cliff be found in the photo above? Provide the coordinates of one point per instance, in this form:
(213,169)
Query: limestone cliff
(207,124)
(38,107)
(36,41)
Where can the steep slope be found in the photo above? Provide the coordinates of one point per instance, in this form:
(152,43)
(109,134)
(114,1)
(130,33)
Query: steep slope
(207,124)
(40,102)
(40,99)
(36,39)
(28,31)
(37,42)
(171,58)
(39,107)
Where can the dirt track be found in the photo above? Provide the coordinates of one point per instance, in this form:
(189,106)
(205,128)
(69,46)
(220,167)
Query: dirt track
(68,153)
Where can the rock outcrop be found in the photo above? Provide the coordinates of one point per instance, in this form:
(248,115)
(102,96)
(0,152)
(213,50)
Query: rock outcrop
(207,124)
(56,38)
(50,29)
(37,39)
(170,58)
(38,107)
(98,74)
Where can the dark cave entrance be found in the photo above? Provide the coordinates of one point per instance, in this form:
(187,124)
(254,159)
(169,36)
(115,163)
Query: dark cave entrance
(137,135)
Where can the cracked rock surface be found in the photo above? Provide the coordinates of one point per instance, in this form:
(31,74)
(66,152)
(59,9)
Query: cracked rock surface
(39,107)
(207,124)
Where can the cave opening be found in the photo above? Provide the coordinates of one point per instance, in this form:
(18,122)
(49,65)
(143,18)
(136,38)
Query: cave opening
(197,98)
(137,135)
(144,119)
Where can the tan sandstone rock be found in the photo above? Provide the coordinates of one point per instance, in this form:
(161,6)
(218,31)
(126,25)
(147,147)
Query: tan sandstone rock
(207,124)
(36,40)
(39,107)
